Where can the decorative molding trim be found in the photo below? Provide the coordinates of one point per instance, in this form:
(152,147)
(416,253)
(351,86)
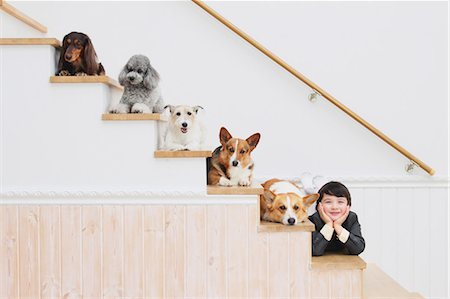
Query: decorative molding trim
(396,182)
(122,197)
(102,194)
(379,181)
(200,197)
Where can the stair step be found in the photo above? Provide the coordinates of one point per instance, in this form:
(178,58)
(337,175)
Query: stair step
(220,190)
(182,154)
(22,17)
(133,116)
(337,261)
(271,227)
(377,284)
(30,42)
(86,79)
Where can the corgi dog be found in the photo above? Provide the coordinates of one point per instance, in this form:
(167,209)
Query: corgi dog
(231,164)
(185,131)
(285,202)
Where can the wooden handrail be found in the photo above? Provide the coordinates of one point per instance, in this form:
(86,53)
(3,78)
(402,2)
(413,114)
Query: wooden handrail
(314,86)
(21,16)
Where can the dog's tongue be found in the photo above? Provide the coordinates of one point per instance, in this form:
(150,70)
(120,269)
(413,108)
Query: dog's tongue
(184,130)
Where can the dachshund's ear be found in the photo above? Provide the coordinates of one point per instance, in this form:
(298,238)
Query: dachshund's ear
(90,58)
(151,80)
(61,58)
(123,75)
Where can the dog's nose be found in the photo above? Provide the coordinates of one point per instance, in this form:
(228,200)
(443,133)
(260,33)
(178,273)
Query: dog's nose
(291,221)
(235,163)
(68,56)
(184,125)
(131,78)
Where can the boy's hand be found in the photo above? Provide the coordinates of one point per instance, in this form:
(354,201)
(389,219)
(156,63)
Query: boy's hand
(322,214)
(337,224)
(341,219)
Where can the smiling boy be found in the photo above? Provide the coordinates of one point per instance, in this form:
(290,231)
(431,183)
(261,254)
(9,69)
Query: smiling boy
(337,228)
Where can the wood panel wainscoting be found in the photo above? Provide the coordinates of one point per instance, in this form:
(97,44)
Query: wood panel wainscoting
(153,250)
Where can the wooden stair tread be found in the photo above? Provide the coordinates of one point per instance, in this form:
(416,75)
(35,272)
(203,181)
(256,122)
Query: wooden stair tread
(182,154)
(377,284)
(133,116)
(86,79)
(337,261)
(30,42)
(220,190)
(11,10)
(265,226)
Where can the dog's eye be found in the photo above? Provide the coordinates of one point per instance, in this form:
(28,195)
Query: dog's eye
(139,71)
(178,113)
(282,208)
(231,149)
(242,151)
(296,208)
(189,113)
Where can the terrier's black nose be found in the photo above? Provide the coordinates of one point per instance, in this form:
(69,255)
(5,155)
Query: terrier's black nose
(291,221)
(68,56)
(235,163)
(184,125)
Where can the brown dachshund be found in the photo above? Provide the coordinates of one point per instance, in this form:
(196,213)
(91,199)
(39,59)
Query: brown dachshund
(78,57)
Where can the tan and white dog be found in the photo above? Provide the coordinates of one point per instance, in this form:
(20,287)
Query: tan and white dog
(185,130)
(285,202)
(231,163)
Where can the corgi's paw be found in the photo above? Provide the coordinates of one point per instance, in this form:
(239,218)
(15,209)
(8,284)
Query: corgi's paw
(140,108)
(244,182)
(224,182)
(81,74)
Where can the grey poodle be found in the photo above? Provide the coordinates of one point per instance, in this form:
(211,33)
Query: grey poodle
(142,93)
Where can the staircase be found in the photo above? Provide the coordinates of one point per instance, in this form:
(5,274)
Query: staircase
(96,211)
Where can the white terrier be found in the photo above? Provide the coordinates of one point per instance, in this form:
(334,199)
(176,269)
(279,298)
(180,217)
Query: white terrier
(185,130)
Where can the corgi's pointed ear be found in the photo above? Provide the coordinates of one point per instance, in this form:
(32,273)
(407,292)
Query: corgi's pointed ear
(309,199)
(224,136)
(253,141)
(171,108)
(196,108)
(269,196)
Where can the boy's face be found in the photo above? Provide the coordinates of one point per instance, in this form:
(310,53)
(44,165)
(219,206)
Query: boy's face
(334,206)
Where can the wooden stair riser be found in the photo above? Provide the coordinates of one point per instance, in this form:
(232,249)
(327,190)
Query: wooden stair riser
(160,250)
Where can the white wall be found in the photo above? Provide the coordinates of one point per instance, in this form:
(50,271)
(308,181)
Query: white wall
(387,61)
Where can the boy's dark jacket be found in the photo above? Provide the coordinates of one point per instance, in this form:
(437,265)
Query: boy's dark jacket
(354,245)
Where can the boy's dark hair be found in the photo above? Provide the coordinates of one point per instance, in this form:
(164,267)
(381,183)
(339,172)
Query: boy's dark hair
(336,189)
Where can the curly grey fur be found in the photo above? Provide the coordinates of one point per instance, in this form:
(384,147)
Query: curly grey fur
(142,93)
